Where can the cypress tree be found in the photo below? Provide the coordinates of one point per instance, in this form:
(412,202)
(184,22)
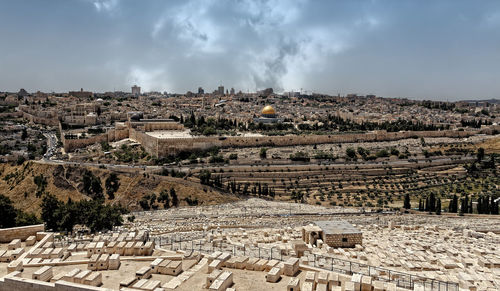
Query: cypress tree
(461,210)
(480,205)
(407,204)
(455,204)
(486,205)
(493,206)
(432,202)
(470,205)
(438,206)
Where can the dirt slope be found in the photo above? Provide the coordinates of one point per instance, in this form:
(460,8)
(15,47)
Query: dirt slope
(18,183)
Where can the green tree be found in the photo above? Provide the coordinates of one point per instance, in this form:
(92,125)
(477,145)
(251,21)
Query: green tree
(175,199)
(438,206)
(112,184)
(8,212)
(351,153)
(205,177)
(24,134)
(92,185)
(480,154)
(462,207)
(263,153)
(164,198)
(51,211)
(144,202)
(407,204)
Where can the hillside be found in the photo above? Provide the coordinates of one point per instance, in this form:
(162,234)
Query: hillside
(22,184)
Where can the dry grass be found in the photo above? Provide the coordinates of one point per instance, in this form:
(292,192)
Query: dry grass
(65,182)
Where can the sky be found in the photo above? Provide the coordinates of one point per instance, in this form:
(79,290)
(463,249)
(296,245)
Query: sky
(422,49)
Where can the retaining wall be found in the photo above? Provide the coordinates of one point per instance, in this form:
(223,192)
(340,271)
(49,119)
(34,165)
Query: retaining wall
(21,232)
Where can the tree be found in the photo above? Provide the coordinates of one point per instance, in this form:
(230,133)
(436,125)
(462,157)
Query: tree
(432,202)
(462,208)
(51,211)
(453,208)
(351,153)
(263,153)
(175,199)
(112,184)
(8,212)
(164,198)
(494,207)
(407,204)
(144,202)
(92,185)
(420,205)
(480,154)
(438,206)
(24,134)
(205,177)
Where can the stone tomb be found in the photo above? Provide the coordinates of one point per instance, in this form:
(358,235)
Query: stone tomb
(114,262)
(43,274)
(293,284)
(291,267)
(273,275)
(144,273)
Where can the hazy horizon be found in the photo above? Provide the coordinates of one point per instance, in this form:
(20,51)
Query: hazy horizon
(435,50)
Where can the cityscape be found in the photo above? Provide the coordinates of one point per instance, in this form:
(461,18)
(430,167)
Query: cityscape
(290,176)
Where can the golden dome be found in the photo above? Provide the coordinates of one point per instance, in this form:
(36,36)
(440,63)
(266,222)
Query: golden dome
(268,110)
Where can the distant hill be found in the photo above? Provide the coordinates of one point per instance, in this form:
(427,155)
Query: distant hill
(491,101)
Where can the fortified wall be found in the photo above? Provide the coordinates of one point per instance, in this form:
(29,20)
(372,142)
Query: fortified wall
(109,136)
(164,147)
(45,119)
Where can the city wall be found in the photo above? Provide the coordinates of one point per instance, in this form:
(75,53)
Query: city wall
(21,232)
(166,147)
(109,136)
(40,120)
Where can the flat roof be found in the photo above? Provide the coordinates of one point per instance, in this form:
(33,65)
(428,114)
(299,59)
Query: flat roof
(336,227)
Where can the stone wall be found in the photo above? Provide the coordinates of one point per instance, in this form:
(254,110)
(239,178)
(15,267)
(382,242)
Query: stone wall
(10,283)
(40,120)
(172,146)
(152,126)
(109,136)
(344,240)
(164,147)
(21,232)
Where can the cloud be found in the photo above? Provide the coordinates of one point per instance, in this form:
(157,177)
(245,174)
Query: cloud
(273,42)
(148,79)
(105,5)
(321,45)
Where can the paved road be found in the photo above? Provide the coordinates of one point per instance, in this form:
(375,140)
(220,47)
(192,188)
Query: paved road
(51,145)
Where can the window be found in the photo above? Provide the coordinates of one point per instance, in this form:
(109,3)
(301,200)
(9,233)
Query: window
(344,239)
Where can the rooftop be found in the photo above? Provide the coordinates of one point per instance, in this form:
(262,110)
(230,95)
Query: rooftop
(337,227)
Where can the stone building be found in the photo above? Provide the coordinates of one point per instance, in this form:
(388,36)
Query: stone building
(336,234)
